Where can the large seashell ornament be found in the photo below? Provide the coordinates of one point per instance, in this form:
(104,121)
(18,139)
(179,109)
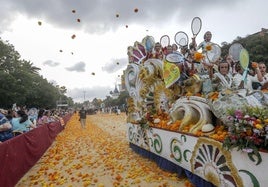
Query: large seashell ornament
(208,129)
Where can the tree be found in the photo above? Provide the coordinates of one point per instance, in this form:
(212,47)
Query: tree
(22,84)
(26,65)
(96,102)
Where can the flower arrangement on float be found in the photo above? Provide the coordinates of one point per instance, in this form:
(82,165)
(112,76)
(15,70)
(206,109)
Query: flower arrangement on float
(248,131)
(245,129)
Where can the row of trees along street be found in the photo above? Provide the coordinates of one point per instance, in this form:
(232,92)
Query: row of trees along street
(22,84)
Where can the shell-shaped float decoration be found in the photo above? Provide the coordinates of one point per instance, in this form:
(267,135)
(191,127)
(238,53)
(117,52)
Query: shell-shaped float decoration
(131,75)
(191,110)
(149,43)
(185,113)
(208,129)
(213,163)
(137,53)
(142,76)
(131,83)
(162,97)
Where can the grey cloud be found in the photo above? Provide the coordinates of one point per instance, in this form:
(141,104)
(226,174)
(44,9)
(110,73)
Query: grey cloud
(115,65)
(51,63)
(81,94)
(79,67)
(100,16)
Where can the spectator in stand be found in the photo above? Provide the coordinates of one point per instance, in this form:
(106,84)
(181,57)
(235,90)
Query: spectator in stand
(55,115)
(45,118)
(32,114)
(5,128)
(40,116)
(10,114)
(48,116)
(21,123)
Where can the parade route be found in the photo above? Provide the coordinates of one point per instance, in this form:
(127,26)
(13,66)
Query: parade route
(98,155)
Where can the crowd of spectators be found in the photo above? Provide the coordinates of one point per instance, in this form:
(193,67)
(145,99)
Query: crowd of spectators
(20,120)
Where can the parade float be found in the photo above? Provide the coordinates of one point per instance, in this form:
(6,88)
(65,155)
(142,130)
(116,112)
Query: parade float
(215,138)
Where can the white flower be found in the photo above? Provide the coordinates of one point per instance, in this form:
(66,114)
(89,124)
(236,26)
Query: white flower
(247,150)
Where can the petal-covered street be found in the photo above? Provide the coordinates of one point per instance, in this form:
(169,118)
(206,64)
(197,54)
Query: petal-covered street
(98,155)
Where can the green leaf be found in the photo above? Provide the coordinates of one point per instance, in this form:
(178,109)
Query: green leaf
(252,177)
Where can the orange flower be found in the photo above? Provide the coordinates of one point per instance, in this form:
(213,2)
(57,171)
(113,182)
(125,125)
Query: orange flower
(254,65)
(208,48)
(198,56)
(213,96)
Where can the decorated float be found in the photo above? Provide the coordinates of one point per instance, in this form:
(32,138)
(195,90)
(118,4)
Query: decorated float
(216,138)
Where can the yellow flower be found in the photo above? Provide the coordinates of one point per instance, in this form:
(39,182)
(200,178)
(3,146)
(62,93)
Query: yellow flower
(258,126)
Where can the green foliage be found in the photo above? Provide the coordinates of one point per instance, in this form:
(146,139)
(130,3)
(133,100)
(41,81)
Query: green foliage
(22,84)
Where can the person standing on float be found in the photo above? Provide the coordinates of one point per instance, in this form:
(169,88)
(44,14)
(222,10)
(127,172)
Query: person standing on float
(207,40)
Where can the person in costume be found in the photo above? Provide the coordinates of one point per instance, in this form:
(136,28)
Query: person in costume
(174,47)
(207,40)
(222,79)
(169,50)
(205,65)
(229,59)
(264,75)
(158,53)
(239,83)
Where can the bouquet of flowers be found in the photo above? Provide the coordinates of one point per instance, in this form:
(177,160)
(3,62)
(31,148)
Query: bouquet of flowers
(249,131)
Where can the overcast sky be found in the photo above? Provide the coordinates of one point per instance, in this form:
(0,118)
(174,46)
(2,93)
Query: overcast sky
(83,44)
